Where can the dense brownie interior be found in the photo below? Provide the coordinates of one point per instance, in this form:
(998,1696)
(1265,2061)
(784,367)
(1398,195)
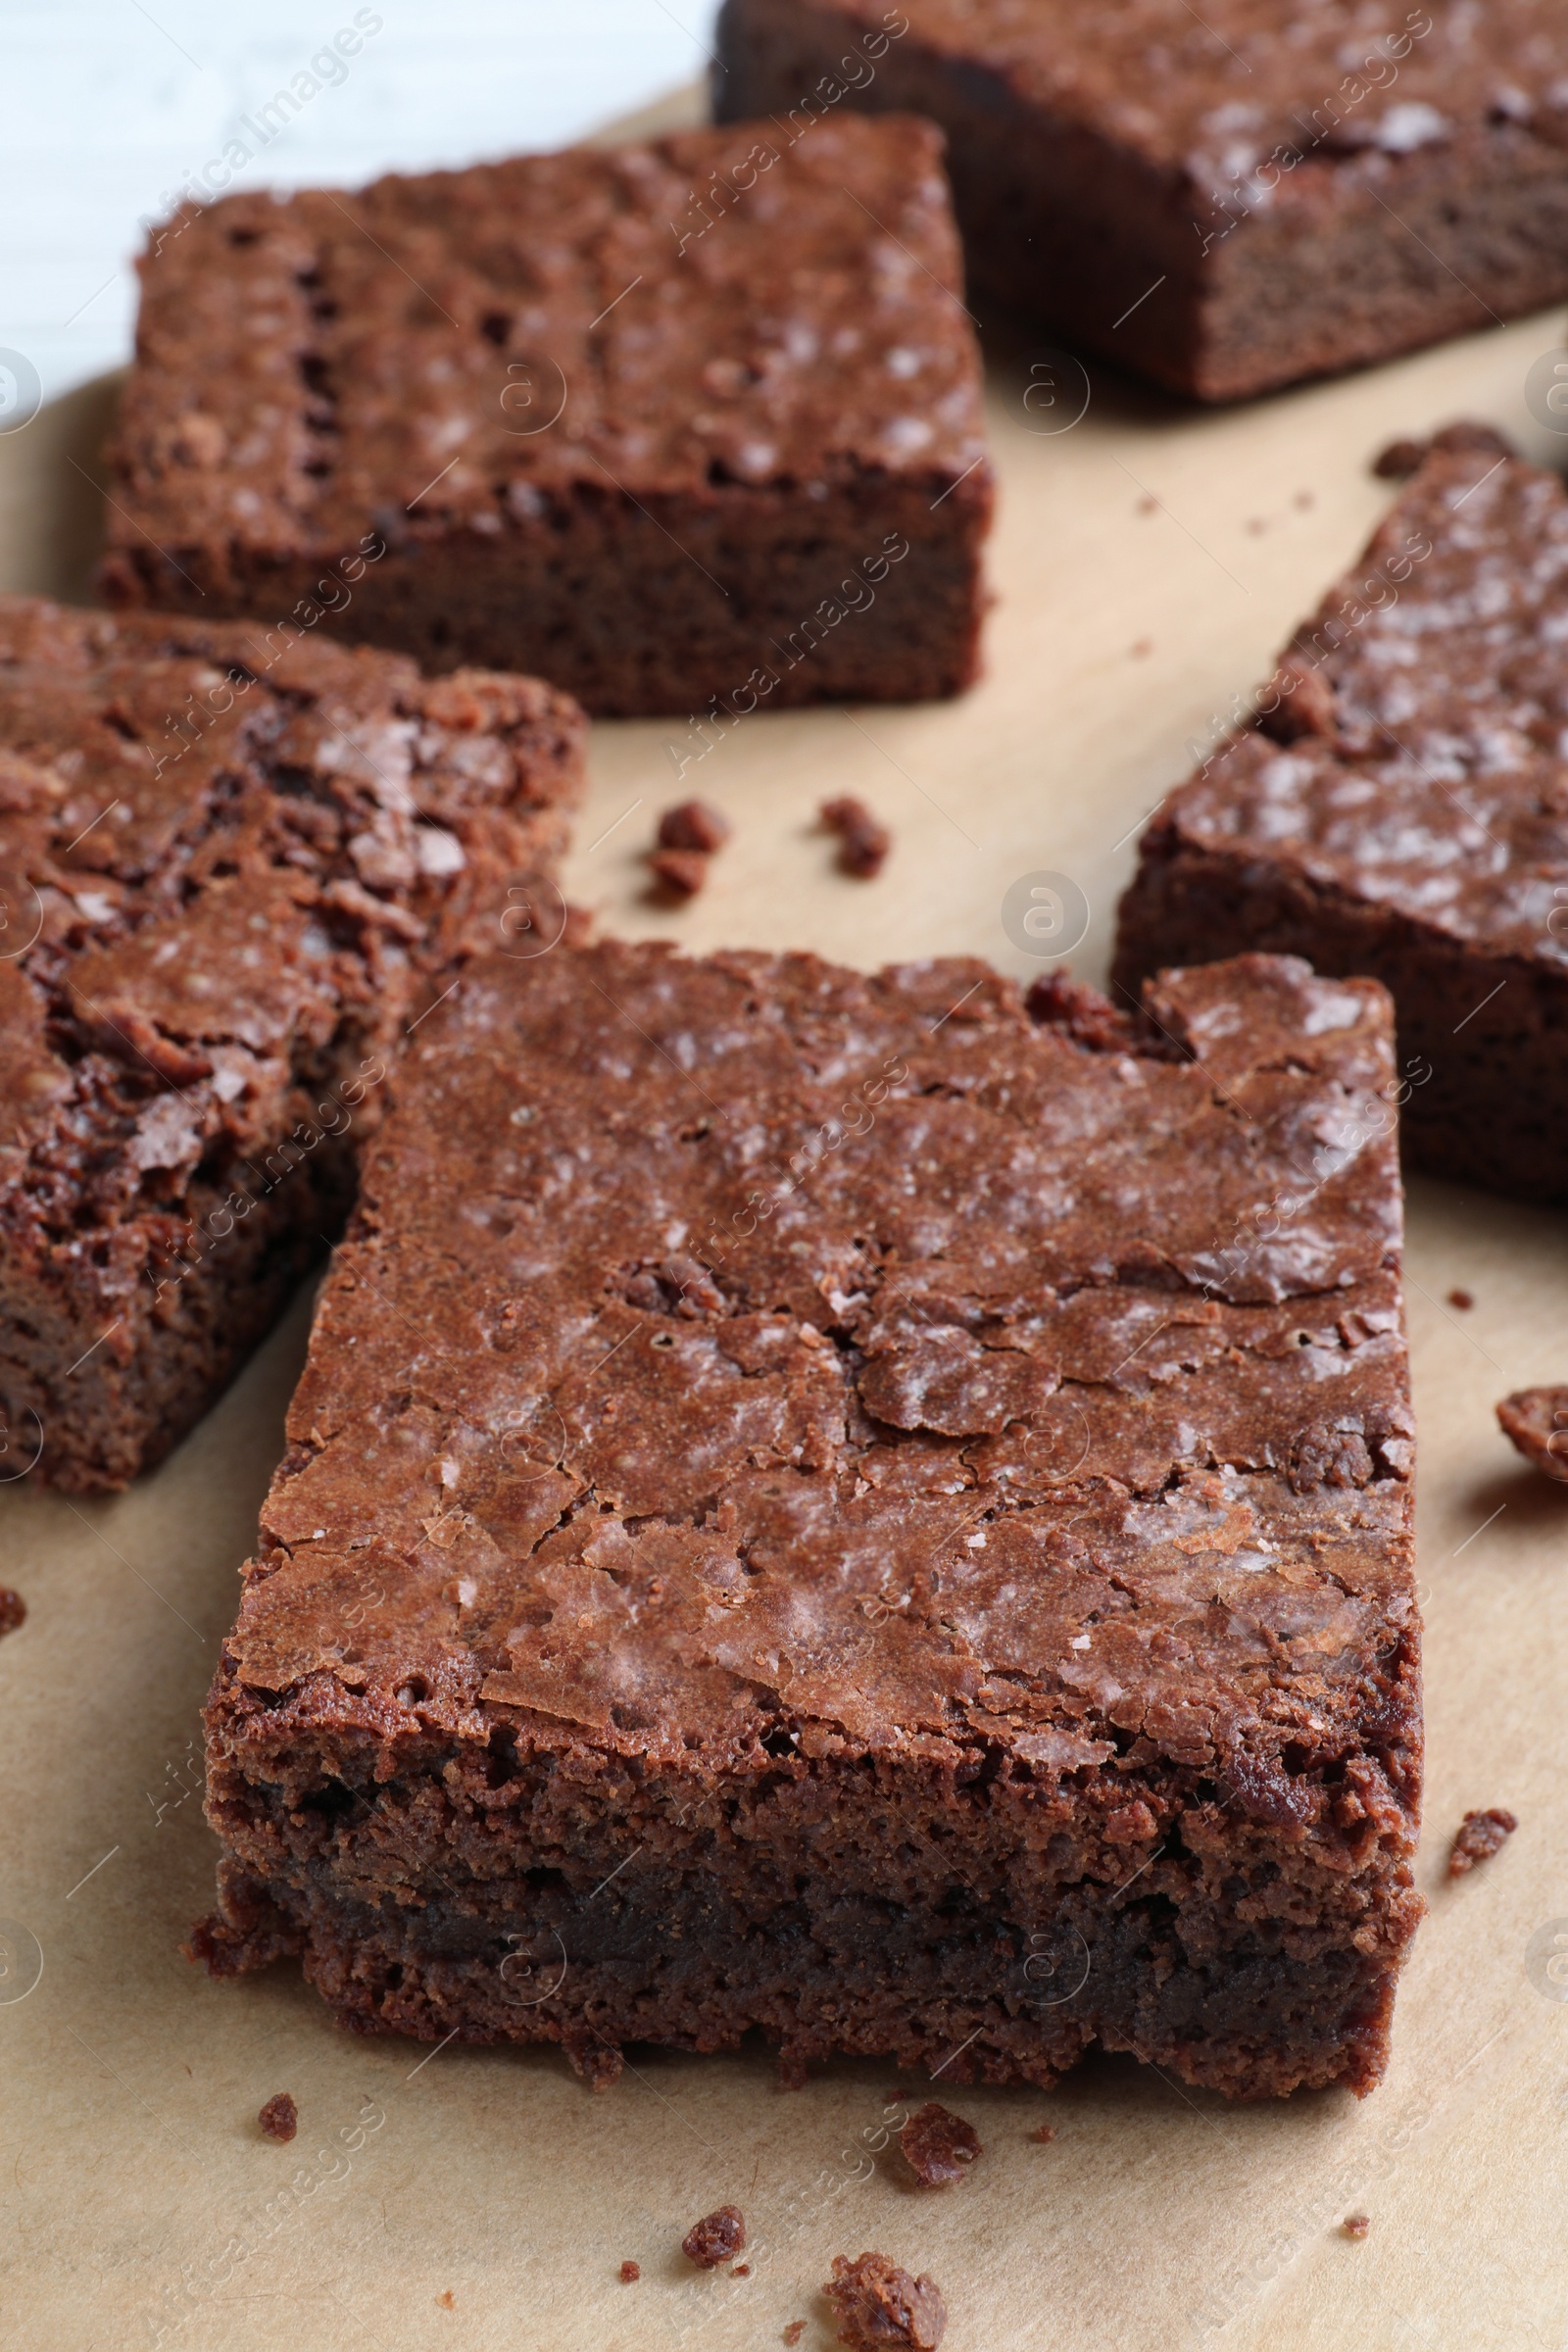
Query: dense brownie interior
(1227,199)
(826,1503)
(689,420)
(1401,808)
(236,864)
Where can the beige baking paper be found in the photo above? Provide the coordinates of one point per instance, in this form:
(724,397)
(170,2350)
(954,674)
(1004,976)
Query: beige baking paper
(1147,563)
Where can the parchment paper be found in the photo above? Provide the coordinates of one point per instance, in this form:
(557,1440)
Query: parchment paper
(1147,563)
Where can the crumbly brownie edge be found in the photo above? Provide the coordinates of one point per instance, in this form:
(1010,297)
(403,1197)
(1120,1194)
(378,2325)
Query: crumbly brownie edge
(750,598)
(758,1922)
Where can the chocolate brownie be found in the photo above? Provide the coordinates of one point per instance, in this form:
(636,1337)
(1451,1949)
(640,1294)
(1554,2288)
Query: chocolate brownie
(1400,807)
(682,424)
(826,1505)
(236,867)
(1226,198)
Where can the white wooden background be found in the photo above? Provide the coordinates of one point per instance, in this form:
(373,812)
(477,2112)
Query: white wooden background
(107,104)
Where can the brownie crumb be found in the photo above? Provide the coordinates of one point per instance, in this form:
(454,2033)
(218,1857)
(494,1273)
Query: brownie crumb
(1478,1835)
(13,1610)
(1464,1300)
(1536,1421)
(682,872)
(279,2119)
(864,840)
(938,2145)
(742,2269)
(446,2300)
(693,826)
(793,2332)
(717,2237)
(1044,2133)
(1355,2225)
(876,2304)
(630,2273)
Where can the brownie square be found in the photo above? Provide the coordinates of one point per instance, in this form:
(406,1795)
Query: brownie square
(236,867)
(828,1505)
(1400,807)
(693,423)
(1226,199)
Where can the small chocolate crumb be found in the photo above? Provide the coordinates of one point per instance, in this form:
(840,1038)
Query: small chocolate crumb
(865,840)
(876,2304)
(630,2273)
(1355,2225)
(693,826)
(279,2119)
(1044,2133)
(13,1610)
(742,2269)
(1464,1300)
(1536,1421)
(793,2332)
(938,2145)
(681,872)
(446,2301)
(1478,1835)
(717,2237)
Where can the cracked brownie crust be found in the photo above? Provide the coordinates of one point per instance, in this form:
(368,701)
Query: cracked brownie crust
(699,418)
(234,866)
(1227,199)
(828,1504)
(1401,808)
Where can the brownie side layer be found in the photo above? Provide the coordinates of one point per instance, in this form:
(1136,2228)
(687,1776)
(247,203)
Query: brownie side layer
(237,864)
(694,420)
(828,1504)
(1227,206)
(1401,809)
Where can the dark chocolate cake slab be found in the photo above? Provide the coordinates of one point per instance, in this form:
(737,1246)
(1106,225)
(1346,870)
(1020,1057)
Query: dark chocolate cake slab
(1401,808)
(851,1507)
(682,424)
(1226,199)
(236,862)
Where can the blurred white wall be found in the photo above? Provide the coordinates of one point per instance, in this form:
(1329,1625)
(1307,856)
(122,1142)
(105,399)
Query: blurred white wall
(107,106)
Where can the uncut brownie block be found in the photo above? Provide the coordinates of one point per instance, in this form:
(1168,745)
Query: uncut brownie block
(234,866)
(1401,808)
(667,424)
(1226,199)
(825,1505)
